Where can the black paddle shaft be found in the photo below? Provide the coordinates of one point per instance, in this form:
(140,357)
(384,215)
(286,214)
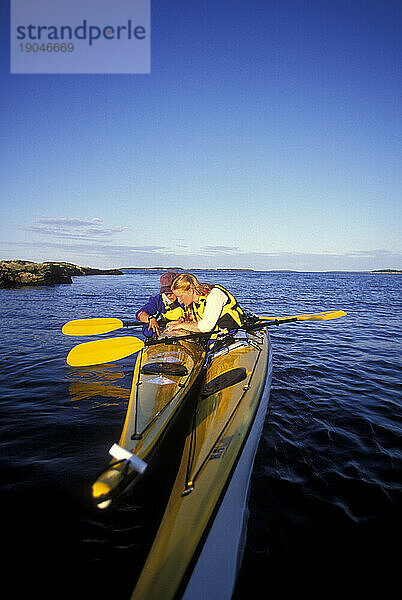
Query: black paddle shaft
(260,325)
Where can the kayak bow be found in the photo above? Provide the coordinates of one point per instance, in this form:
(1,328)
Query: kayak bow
(160,401)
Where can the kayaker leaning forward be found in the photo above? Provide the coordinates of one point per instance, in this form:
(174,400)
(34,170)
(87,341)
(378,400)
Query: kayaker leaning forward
(207,307)
(164,305)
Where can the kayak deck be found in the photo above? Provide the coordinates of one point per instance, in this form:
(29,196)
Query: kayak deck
(163,379)
(197,543)
(156,394)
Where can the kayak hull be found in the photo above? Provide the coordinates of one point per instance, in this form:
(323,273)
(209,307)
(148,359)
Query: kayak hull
(156,396)
(157,418)
(197,549)
(224,545)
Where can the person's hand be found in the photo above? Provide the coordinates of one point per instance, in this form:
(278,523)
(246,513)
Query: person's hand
(173,325)
(153,325)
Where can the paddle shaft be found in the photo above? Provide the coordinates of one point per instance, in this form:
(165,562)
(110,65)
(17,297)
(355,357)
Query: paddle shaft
(261,325)
(99,326)
(108,350)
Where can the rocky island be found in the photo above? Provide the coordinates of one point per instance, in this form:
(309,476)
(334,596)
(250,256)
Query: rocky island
(18,273)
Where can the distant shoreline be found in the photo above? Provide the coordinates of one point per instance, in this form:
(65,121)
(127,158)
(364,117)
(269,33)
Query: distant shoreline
(179,269)
(190,270)
(21,273)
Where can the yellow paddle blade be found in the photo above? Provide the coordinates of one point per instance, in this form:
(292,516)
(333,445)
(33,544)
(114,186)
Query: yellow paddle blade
(91,326)
(102,351)
(324,316)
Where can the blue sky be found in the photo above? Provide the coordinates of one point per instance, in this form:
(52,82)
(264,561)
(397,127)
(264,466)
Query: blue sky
(267,136)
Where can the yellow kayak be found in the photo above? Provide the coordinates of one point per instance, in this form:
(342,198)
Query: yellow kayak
(160,400)
(197,549)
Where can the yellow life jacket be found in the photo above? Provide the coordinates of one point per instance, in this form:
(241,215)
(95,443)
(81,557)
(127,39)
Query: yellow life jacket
(231,317)
(195,310)
(173,311)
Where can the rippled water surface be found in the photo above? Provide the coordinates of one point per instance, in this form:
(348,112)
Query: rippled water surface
(326,487)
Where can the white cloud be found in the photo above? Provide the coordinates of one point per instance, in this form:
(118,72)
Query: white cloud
(69,221)
(90,229)
(220,249)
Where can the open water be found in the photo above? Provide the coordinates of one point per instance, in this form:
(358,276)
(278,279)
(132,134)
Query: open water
(326,488)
